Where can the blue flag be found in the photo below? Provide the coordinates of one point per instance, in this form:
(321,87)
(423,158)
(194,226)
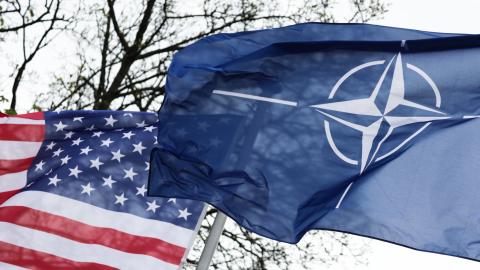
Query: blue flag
(355,128)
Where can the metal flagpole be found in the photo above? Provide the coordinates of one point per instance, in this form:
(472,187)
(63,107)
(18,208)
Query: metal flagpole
(212,241)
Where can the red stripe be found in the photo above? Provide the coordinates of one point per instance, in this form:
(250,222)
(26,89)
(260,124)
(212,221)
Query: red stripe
(7,195)
(33,259)
(33,116)
(15,165)
(20,132)
(84,233)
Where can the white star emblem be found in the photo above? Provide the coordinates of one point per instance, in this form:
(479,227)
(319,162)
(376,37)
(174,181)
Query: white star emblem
(97,134)
(128,114)
(117,155)
(183,213)
(120,199)
(107,142)
(69,135)
(39,166)
(108,181)
(75,171)
(110,121)
(149,128)
(142,124)
(96,163)
(172,200)
(129,174)
(54,180)
(85,150)
(65,159)
(152,206)
(147,165)
(79,119)
(92,127)
(87,189)
(141,191)
(57,153)
(77,142)
(128,135)
(60,126)
(138,148)
(50,145)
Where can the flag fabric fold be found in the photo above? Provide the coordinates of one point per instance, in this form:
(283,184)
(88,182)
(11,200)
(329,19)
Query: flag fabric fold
(357,128)
(73,194)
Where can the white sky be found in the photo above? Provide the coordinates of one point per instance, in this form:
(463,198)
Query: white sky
(460,16)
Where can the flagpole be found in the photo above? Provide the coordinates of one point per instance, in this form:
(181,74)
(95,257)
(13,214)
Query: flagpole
(212,241)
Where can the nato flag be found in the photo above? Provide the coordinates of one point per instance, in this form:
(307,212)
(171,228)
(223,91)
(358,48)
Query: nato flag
(356,128)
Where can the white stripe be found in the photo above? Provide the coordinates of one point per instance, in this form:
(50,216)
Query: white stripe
(18,120)
(99,217)
(13,181)
(6,266)
(271,100)
(75,251)
(18,149)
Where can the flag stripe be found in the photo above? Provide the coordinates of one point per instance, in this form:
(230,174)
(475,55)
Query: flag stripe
(32,259)
(75,251)
(6,266)
(18,150)
(16,132)
(32,116)
(13,181)
(80,232)
(15,165)
(99,217)
(21,121)
(7,195)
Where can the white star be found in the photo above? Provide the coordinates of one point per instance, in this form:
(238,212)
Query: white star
(54,180)
(65,159)
(57,153)
(128,114)
(128,134)
(39,166)
(49,172)
(106,142)
(69,135)
(110,121)
(117,155)
(141,191)
(50,145)
(108,181)
(60,126)
(97,134)
(75,171)
(147,165)
(152,206)
(149,128)
(138,148)
(92,127)
(142,124)
(184,213)
(79,119)
(120,199)
(129,174)
(172,200)
(77,142)
(85,150)
(96,163)
(87,189)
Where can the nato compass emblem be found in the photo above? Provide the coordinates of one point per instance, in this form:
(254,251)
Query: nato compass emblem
(372,152)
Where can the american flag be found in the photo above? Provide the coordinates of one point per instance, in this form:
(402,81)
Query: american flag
(73,194)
